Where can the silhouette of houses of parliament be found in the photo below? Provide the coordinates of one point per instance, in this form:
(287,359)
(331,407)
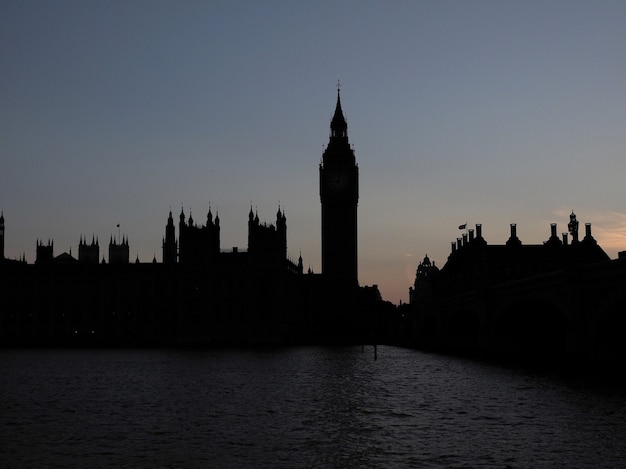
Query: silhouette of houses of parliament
(201,294)
(498,298)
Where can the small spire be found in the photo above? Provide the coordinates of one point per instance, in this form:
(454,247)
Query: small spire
(338,124)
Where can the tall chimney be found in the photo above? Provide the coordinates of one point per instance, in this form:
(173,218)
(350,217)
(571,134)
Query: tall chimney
(564,239)
(479,230)
(553,230)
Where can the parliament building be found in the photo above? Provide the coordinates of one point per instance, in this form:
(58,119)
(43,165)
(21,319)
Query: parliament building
(200,294)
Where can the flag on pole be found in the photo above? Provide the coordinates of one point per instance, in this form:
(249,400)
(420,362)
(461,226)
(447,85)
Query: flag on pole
(462,227)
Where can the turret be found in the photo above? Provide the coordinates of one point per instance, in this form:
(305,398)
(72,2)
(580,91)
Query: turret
(572,227)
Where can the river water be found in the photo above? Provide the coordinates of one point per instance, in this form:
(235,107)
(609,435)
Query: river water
(299,407)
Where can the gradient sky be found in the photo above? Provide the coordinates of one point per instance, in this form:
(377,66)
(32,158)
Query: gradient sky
(491,112)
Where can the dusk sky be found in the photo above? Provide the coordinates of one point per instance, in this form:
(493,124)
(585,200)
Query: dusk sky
(491,112)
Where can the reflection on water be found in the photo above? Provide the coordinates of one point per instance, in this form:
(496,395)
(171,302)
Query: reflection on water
(298,407)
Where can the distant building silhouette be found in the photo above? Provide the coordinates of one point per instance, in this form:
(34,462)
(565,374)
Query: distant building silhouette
(426,276)
(339,193)
(559,300)
(474,264)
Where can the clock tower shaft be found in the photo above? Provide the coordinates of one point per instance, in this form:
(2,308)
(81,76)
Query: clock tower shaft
(339,194)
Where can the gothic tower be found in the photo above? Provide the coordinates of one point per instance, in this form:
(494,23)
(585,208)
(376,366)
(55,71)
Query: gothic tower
(1,235)
(170,246)
(119,251)
(198,244)
(267,244)
(339,193)
(88,253)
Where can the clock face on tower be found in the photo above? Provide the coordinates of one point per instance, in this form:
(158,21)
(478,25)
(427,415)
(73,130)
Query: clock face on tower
(337,181)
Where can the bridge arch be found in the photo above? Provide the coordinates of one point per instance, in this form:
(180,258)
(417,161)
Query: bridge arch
(530,329)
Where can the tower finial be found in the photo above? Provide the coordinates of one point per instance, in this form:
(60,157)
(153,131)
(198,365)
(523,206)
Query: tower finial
(338,86)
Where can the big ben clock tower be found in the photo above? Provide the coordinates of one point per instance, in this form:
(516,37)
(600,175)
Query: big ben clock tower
(339,193)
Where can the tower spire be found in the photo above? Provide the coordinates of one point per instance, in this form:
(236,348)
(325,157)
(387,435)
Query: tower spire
(338,124)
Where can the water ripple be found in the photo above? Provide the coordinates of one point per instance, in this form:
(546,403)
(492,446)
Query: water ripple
(299,407)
